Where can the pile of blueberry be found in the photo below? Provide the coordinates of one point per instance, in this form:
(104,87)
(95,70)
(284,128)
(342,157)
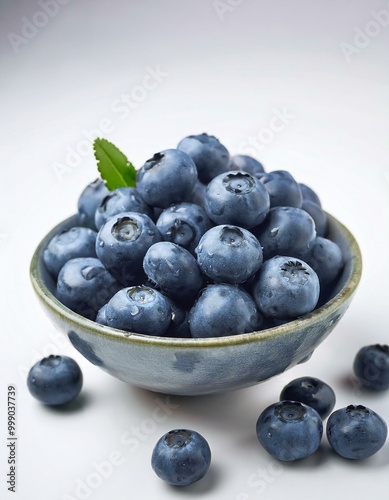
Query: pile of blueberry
(290,429)
(206,244)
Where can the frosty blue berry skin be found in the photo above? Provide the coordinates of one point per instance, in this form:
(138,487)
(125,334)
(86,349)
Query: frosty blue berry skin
(179,324)
(55,380)
(122,243)
(210,156)
(289,430)
(236,198)
(181,457)
(174,270)
(326,259)
(286,288)
(309,194)
(286,231)
(229,254)
(125,199)
(89,200)
(283,190)
(356,432)
(139,309)
(371,367)
(84,285)
(318,215)
(312,392)
(184,224)
(69,244)
(223,310)
(166,178)
(248,164)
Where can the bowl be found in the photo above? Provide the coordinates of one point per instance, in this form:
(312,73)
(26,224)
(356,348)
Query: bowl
(191,366)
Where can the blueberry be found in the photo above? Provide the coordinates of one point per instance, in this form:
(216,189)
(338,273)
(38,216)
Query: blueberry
(125,199)
(229,254)
(179,324)
(236,198)
(181,457)
(286,231)
(122,243)
(174,270)
(247,164)
(356,432)
(309,194)
(326,259)
(371,367)
(84,285)
(139,309)
(55,380)
(89,200)
(198,193)
(69,244)
(184,224)
(101,316)
(166,178)
(289,430)
(210,156)
(223,310)
(318,215)
(286,288)
(283,190)
(312,392)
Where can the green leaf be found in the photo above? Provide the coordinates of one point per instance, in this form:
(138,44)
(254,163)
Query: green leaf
(113,165)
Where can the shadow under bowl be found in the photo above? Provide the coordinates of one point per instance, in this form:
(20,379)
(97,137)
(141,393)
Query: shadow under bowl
(191,366)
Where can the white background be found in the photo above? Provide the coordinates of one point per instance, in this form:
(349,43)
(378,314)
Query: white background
(229,73)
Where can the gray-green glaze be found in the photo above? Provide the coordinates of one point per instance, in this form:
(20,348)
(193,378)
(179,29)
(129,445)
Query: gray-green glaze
(200,366)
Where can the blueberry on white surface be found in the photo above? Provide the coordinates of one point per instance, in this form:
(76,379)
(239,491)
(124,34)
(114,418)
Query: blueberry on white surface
(371,366)
(356,432)
(312,392)
(55,380)
(289,430)
(181,457)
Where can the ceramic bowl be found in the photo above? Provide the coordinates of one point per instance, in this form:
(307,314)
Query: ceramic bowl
(201,366)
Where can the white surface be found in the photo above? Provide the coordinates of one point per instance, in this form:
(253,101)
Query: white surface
(226,75)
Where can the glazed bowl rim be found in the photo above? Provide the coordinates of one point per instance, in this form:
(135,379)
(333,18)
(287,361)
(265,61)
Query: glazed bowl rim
(312,318)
